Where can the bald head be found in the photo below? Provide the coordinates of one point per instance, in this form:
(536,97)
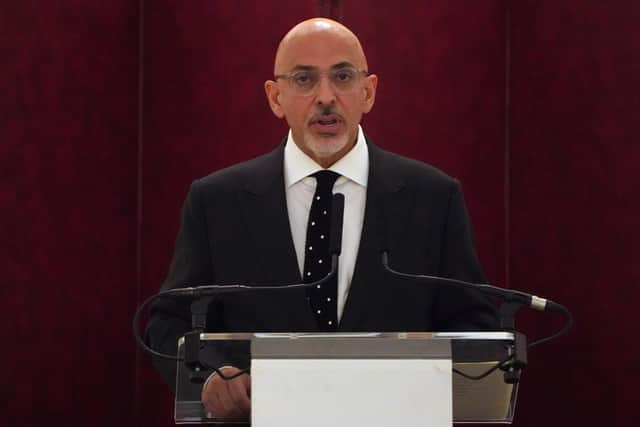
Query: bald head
(322,87)
(314,33)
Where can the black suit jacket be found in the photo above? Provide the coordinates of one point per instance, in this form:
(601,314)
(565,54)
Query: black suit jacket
(235,229)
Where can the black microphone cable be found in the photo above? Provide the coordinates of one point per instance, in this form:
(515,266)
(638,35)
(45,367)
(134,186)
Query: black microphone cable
(500,365)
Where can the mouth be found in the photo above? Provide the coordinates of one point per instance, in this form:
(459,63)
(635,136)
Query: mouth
(326,124)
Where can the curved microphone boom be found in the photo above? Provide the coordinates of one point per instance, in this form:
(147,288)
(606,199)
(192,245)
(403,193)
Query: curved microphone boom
(515,299)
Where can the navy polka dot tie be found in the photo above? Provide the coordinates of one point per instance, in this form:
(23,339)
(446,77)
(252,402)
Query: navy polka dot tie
(317,260)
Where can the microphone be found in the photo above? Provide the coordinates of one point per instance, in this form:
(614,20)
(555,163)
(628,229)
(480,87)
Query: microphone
(528,300)
(195,292)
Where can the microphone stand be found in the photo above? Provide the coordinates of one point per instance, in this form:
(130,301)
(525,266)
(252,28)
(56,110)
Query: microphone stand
(192,344)
(518,351)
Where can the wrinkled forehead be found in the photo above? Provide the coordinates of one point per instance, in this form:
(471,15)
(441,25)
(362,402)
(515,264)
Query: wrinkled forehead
(321,50)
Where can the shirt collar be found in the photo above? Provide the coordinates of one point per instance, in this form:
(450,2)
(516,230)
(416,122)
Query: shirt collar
(353,166)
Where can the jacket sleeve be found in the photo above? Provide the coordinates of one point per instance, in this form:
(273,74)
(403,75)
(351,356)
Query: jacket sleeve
(170,319)
(458,309)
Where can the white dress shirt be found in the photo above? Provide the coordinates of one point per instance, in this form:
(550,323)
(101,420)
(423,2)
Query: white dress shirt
(300,187)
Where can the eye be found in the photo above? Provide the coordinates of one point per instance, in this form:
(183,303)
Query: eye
(302,78)
(344,76)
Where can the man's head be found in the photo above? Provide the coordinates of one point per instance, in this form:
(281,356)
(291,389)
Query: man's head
(322,87)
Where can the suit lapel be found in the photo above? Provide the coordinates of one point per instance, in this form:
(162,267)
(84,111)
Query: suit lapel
(387,209)
(264,209)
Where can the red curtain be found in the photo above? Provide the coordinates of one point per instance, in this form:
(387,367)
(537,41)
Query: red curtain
(110,110)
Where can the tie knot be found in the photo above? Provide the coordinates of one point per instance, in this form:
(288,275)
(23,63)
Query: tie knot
(325,179)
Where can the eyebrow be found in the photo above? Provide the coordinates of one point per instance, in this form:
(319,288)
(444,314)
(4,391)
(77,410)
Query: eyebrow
(339,65)
(343,64)
(303,68)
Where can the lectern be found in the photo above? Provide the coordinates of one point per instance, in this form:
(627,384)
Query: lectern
(316,379)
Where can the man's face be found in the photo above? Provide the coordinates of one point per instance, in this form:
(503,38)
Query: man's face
(324,116)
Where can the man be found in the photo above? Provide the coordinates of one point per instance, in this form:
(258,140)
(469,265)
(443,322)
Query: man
(248,223)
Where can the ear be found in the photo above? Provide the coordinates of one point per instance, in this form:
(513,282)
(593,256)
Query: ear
(370,86)
(273,96)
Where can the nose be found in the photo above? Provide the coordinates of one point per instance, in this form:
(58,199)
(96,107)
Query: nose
(325,93)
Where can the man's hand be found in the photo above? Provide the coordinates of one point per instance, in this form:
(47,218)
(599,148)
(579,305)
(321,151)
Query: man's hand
(228,399)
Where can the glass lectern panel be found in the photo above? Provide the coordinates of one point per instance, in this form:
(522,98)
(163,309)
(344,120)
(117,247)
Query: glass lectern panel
(488,400)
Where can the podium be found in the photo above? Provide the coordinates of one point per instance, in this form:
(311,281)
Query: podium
(309,379)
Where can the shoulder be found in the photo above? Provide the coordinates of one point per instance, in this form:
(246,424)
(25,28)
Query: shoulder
(394,168)
(247,175)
